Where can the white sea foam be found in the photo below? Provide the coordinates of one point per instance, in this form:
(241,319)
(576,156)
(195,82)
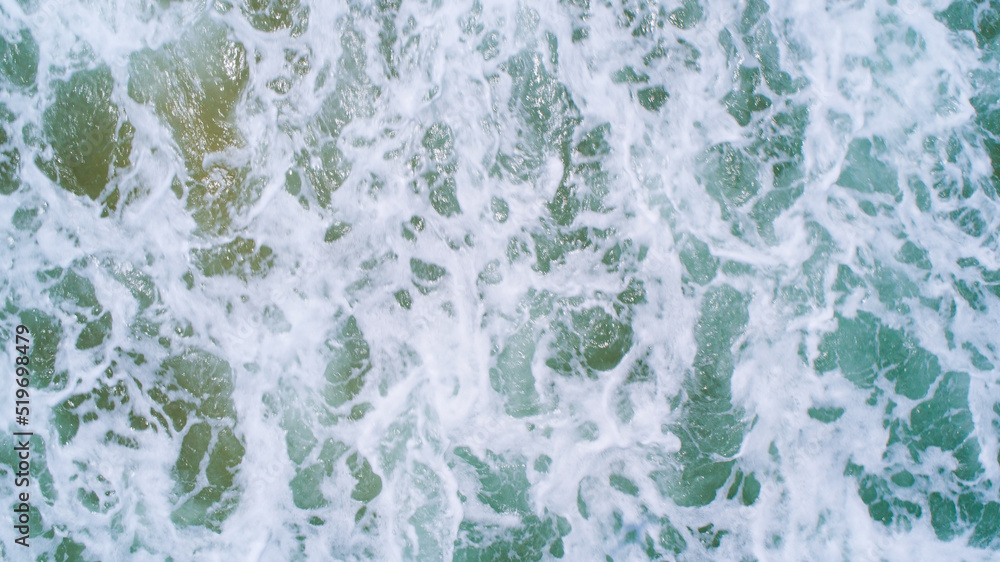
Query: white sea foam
(865,69)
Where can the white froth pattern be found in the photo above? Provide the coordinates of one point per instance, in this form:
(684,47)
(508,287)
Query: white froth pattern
(440,198)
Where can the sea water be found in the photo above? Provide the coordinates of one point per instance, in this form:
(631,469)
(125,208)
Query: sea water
(430,280)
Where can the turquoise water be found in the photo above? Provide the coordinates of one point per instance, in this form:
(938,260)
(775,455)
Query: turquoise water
(572,280)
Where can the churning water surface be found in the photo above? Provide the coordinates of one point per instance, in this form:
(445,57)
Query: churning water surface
(432,280)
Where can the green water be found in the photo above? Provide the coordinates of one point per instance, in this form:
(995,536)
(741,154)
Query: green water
(427,281)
